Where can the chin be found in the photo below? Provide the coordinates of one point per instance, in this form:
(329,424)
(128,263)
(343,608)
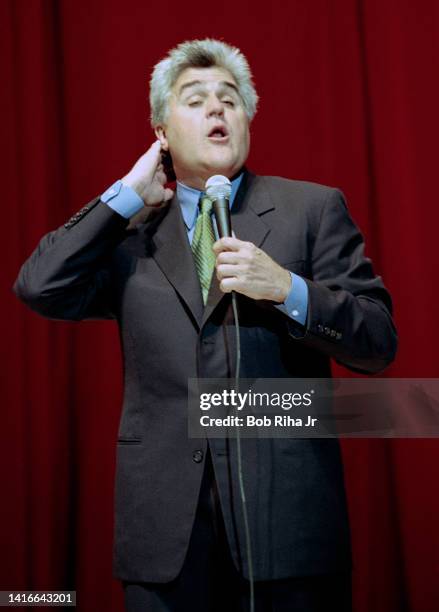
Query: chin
(220,166)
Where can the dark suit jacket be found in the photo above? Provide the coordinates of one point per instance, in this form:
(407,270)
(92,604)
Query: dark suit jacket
(145,279)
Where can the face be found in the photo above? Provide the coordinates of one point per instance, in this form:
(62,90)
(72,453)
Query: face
(207,129)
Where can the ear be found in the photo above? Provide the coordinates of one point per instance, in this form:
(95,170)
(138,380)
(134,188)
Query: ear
(161,135)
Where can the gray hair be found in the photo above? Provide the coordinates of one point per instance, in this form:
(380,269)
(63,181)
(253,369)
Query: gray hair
(205,53)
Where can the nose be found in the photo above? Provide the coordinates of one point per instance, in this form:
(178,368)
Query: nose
(214,106)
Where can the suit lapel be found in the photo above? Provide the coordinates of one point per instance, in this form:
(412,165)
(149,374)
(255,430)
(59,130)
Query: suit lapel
(252,201)
(172,253)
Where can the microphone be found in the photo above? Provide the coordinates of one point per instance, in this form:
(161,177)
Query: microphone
(218,190)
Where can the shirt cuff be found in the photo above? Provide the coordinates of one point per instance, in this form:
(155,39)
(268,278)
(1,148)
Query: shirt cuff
(296,304)
(122,199)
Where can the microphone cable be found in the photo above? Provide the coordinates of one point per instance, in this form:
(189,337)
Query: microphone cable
(239,458)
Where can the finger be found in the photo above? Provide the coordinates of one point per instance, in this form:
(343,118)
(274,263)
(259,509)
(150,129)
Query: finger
(161,177)
(228,271)
(227,244)
(152,156)
(228,257)
(230,284)
(168,195)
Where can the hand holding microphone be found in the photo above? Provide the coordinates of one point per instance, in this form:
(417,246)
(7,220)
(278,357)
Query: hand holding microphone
(241,266)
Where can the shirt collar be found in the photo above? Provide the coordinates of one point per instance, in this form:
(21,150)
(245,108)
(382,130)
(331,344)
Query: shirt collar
(189,198)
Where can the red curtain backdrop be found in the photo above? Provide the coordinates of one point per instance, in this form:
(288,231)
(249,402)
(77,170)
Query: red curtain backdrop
(349,97)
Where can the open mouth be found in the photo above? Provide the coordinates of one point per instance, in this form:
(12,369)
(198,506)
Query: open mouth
(218,133)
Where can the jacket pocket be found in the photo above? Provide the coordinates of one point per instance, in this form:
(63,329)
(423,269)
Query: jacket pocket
(129,440)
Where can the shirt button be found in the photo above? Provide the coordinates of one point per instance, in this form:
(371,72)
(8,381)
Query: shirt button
(295,313)
(197,456)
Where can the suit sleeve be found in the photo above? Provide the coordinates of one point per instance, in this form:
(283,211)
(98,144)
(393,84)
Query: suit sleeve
(68,276)
(349,309)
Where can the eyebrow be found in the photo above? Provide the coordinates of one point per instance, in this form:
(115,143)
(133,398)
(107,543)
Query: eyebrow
(222,84)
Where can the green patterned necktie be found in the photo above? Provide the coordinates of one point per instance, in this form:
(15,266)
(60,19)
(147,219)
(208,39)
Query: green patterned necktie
(202,246)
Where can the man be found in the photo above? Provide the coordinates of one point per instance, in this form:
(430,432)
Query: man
(306,293)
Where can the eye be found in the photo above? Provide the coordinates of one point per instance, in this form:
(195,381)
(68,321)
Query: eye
(194,101)
(229,102)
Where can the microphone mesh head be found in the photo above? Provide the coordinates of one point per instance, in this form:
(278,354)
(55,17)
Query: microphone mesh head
(218,186)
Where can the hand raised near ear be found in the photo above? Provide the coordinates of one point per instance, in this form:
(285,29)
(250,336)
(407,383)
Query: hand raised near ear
(148,178)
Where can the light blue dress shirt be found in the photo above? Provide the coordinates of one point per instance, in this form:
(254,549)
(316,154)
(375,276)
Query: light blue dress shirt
(125,201)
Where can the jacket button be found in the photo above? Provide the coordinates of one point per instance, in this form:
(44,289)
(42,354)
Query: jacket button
(197,456)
